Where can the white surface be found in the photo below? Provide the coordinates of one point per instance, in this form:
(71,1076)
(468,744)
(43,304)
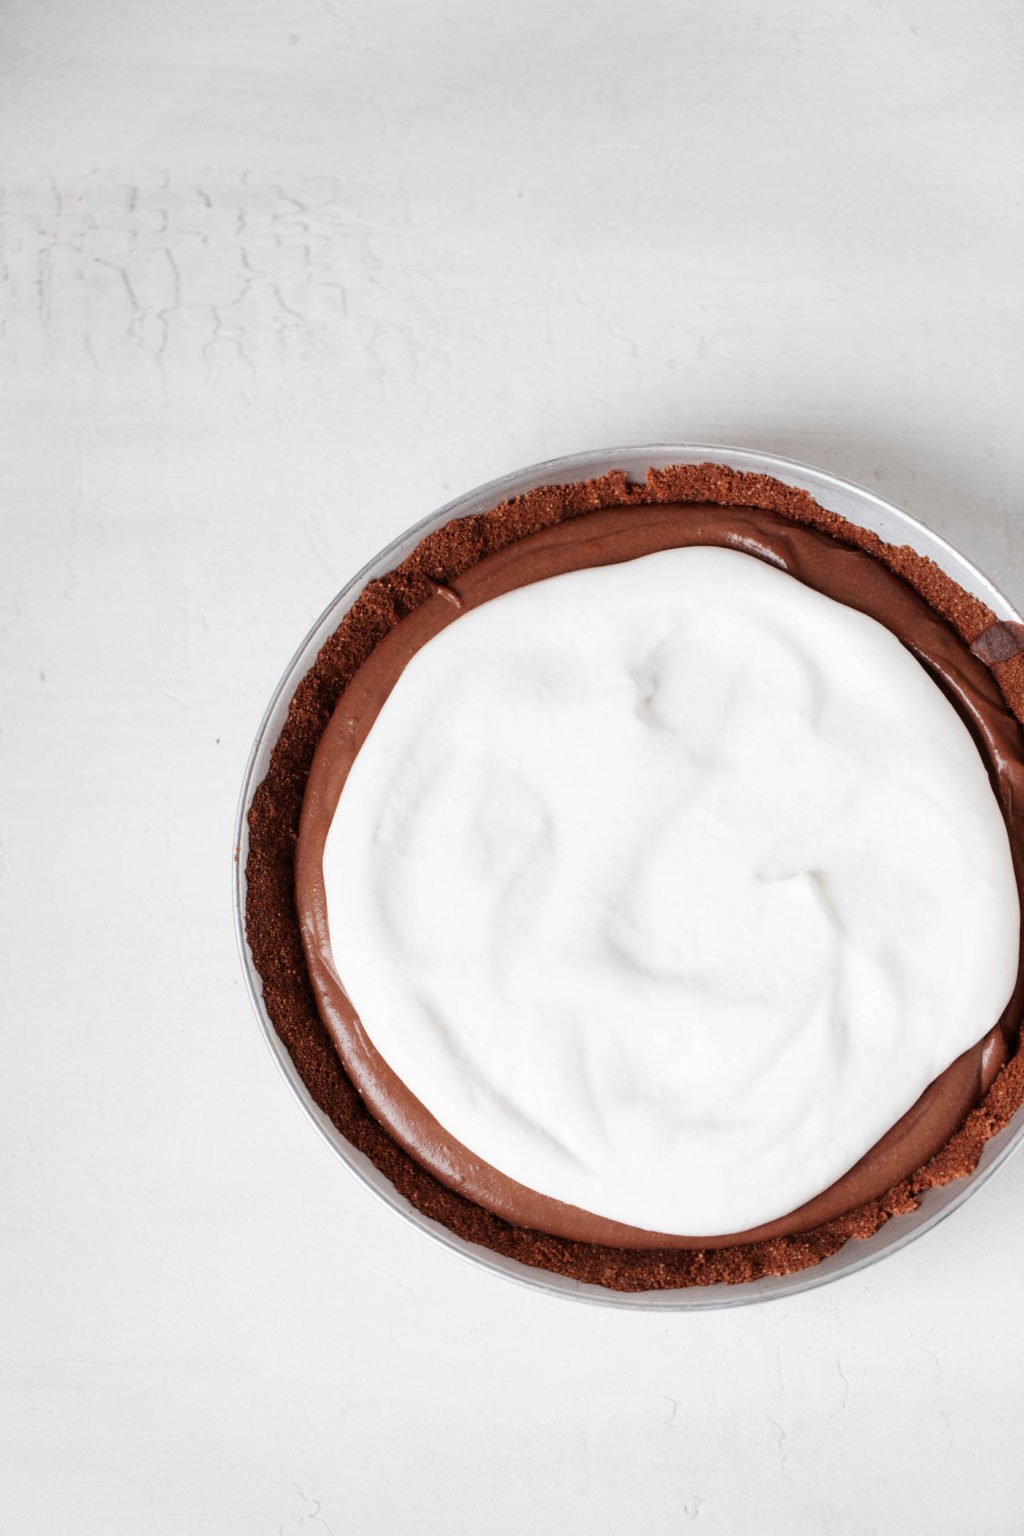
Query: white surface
(668,887)
(252,252)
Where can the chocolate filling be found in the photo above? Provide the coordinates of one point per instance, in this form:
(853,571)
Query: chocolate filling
(469,562)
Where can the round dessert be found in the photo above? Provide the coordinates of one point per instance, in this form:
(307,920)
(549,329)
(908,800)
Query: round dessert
(657,878)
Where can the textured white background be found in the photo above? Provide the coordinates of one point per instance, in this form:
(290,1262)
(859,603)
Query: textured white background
(277,278)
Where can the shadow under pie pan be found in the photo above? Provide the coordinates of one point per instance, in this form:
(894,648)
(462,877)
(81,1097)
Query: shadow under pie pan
(271,948)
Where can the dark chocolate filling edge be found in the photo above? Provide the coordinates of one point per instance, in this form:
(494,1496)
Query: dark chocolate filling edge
(272,925)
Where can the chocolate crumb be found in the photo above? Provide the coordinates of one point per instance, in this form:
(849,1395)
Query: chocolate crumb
(1000,642)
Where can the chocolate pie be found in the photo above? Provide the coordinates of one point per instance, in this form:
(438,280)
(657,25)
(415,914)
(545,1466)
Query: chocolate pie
(636,878)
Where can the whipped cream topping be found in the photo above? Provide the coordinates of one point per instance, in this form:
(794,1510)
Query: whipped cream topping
(668,886)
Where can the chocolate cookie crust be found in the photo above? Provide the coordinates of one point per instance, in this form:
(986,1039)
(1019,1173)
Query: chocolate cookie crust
(272,927)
